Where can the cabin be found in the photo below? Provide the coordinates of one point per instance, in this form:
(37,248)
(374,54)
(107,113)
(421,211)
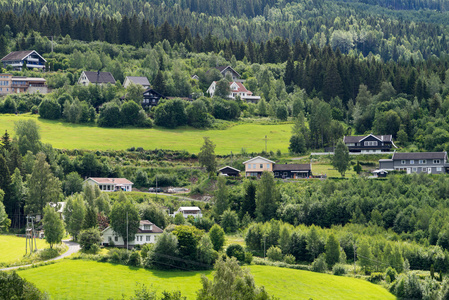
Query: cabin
(99,78)
(142,81)
(151,98)
(146,234)
(257,165)
(293,171)
(369,144)
(10,84)
(29,58)
(186,211)
(417,162)
(229,171)
(110,184)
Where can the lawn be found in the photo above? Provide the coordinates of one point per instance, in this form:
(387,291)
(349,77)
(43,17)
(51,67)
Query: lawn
(79,279)
(12,248)
(320,168)
(64,135)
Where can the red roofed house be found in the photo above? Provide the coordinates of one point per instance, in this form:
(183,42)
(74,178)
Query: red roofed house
(237,89)
(110,184)
(146,234)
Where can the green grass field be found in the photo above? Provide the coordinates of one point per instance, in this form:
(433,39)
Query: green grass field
(72,136)
(320,168)
(12,248)
(79,279)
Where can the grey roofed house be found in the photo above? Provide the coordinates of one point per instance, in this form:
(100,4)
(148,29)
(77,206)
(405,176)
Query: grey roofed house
(31,58)
(369,143)
(417,162)
(96,78)
(143,81)
(225,69)
(292,170)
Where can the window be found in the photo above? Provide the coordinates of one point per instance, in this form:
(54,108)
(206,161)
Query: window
(261,166)
(268,166)
(403,162)
(276,173)
(439,169)
(370,143)
(422,161)
(436,161)
(412,162)
(148,238)
(147,227)
(424,169)
(414,169)
(254,166)
(285,174)
(116,238)
(249,166)
(109,239)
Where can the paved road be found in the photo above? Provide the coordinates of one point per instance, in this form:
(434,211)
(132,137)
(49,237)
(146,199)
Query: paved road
(73,248)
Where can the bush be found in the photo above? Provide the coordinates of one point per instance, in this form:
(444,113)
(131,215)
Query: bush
(289,259)
(135,259)
(118,256)
(49,109)
(145,249)
(248,258)
(319,264)
(88,238)
(12,286)
(375,277)
(235,250)
(390,274)
(338,269)
(274,253)
(229,221)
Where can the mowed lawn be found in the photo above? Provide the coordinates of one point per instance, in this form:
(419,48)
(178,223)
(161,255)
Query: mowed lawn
(79,279)
(73,136)
(12,248)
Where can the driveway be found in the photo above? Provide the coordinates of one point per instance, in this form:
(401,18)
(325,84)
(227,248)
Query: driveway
(73,248)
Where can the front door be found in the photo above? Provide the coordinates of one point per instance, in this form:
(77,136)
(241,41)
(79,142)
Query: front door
(429,170)
(409,170)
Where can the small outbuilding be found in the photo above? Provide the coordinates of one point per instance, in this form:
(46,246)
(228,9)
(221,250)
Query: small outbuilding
(186,211)
(229,171)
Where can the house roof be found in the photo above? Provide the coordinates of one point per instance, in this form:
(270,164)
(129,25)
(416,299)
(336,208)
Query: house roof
(223,68)
(19,55)
(138,80)
(240,87)
(419,155)
(292,167)
(254,158)
(155,92)
(230,168)
(99,77)
(183,208)
(358,138)
(154,228)
(110,180)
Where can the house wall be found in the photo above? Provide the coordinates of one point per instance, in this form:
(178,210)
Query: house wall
(258,165)
(290,174)
(429,166)
(365,146)
(83,79)
(140,238)
(386,165)
(40,89)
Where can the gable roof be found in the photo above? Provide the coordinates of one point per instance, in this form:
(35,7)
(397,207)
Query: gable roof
(292,167)
(101,180)
(359,138)
(138,80)
(240,87)
(254,158)
(19,55)
(99,77)
(154,228)
(229,168)
(153,91)
(419,155)
(223,68)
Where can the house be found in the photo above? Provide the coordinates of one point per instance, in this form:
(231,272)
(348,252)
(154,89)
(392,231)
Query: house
(292,171)
(417,162)
(380,173)
(146,234)
(18,59)
(151,98)
(110,184)
(143,81)
(100,78)
(369,144)
(195,77)
(229,171)
(236,89)
(257,165)
(228,69)
(186,211)
(10,84)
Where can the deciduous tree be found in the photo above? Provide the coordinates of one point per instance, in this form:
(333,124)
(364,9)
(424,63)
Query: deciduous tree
(53,226)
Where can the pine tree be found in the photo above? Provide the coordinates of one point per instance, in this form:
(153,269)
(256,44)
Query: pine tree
(266,198)
(221,197)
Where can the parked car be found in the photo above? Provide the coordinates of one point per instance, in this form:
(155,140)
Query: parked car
(155,190)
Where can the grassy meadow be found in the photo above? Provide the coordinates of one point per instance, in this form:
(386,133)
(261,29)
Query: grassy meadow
(74,136)
(12,248)
(80,279)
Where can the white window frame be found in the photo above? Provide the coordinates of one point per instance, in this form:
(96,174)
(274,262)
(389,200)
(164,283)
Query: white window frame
(424,169)
(422,161)
(403,162)
(436,161)
(414,169)
(412,162)
(439,169)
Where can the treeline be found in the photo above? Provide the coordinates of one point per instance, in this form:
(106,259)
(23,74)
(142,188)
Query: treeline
(438,5)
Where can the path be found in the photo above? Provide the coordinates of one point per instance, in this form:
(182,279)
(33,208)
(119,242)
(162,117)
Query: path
(73,248)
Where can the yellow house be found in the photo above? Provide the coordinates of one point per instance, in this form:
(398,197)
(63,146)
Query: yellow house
(257,165)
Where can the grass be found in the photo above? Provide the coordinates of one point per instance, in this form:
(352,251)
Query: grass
(80,279)
(12,248)
(320,168)
(64,135)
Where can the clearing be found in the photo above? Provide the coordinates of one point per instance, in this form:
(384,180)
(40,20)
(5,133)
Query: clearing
(81,279)
(12,248)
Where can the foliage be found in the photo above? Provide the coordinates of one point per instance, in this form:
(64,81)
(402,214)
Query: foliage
(229,221)
(340,161)
(164,253)
(125,218)
(332,251)
(236,250)
(266,197)
(319,264)
(74,212)
(338,269)
(53,226)
(274,253)
(88,239)
(14,287)
(217,237)
(206,157)
(49,109)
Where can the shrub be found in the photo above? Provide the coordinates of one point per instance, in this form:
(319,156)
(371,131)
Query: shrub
(135,259)
(235,250)
(338,269)
(248,258)
(289,259)
(145,249)
(49,109)
(391,274)
(229,221)
(88,238)
(118,256)
(274,253)
(375,277)
(319,264)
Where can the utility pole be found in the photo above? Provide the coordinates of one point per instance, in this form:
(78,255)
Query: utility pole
(127,231)
(156,187)
(33,233)
(264,245)
(355,248)
(266,143)
(26,238)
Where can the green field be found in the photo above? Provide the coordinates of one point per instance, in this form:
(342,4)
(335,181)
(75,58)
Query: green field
(64,135)
(320,168)
(12,248)
(79,279)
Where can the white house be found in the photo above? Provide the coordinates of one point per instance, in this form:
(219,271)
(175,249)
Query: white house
(186,211)
(146,234)
(236,89)
(111,184)
(143,81)
(96,78)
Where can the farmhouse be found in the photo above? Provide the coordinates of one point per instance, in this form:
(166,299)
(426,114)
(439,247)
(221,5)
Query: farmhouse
(236,89)
(29,58)
(10,84)
(146,234)
(151,98)
(143,81)
(229,171)
(292,171)
(110,184)
(417,162)
(369,144)
(257,165)
(186,211)
(96,78)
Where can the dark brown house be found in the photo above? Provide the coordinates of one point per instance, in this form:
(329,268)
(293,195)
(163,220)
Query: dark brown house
(151,98)
(286,171)
(229,171)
